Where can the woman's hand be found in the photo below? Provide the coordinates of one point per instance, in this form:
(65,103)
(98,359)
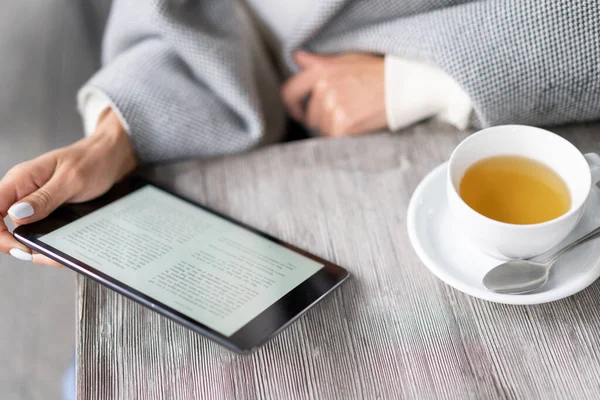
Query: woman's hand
(345,93)
(80,172)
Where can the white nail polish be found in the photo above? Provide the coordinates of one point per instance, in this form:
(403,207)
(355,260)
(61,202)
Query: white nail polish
(21,255)
(21,210)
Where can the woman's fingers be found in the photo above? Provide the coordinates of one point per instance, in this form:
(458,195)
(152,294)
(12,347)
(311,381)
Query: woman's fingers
(27,194)
(308,60)
(315,107)
(41,259)
(10,245)
(353,101)
(19,181)
(21,252)
(79,172)
(297,89)
(43,201)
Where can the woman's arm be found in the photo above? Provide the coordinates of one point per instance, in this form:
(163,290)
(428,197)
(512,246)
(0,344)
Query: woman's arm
(185,82)
(188,80)
(357,93)
(76,173)
(525,62)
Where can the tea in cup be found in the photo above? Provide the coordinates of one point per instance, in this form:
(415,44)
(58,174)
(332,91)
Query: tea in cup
(517,191)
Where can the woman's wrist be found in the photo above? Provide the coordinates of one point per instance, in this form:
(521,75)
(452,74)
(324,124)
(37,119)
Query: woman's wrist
(112,140)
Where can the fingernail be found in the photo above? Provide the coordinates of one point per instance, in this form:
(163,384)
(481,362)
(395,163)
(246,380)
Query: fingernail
(21,210)
(20,254)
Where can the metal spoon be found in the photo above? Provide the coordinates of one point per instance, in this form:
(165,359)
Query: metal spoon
(523,276)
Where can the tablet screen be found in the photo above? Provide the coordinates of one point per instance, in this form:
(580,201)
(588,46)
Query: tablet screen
(201,265)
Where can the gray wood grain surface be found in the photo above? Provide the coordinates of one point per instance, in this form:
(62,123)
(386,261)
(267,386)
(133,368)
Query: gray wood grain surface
(394,331)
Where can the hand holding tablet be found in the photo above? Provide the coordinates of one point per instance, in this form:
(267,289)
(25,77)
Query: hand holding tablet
(82,171)
(216,276)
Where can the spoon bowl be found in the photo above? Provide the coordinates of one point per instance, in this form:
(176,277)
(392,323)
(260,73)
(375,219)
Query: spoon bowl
(524,276)
(517,277)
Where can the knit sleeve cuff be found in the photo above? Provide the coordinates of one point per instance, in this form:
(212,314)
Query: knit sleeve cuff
(91,103)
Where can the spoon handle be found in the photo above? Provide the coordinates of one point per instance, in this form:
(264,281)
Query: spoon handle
(590,236)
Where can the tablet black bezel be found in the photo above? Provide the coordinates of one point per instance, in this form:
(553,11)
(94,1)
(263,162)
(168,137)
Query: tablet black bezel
(252,335)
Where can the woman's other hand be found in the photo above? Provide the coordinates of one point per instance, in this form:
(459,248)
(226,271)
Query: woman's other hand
(345,93)
(80,172)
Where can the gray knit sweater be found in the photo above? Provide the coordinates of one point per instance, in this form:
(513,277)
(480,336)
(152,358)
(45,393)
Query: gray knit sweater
(188,84)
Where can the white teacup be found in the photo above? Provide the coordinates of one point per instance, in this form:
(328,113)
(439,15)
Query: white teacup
(512,241)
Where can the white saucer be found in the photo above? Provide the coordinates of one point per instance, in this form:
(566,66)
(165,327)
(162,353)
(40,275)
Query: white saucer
(453,258)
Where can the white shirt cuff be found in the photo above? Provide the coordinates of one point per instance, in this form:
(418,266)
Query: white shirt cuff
(415,91)
(91,103)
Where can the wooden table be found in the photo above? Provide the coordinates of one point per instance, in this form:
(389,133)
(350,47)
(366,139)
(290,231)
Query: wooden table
(394,331)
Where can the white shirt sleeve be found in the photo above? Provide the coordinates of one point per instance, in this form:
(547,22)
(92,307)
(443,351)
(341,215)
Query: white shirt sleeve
(415,91)
(91,103)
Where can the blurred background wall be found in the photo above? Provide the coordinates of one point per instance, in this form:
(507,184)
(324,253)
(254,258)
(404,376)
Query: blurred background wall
(48,48)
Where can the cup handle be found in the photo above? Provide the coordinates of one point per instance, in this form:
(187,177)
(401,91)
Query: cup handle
(593,160)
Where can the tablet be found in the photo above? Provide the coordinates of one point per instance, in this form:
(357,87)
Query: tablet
(225,280)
